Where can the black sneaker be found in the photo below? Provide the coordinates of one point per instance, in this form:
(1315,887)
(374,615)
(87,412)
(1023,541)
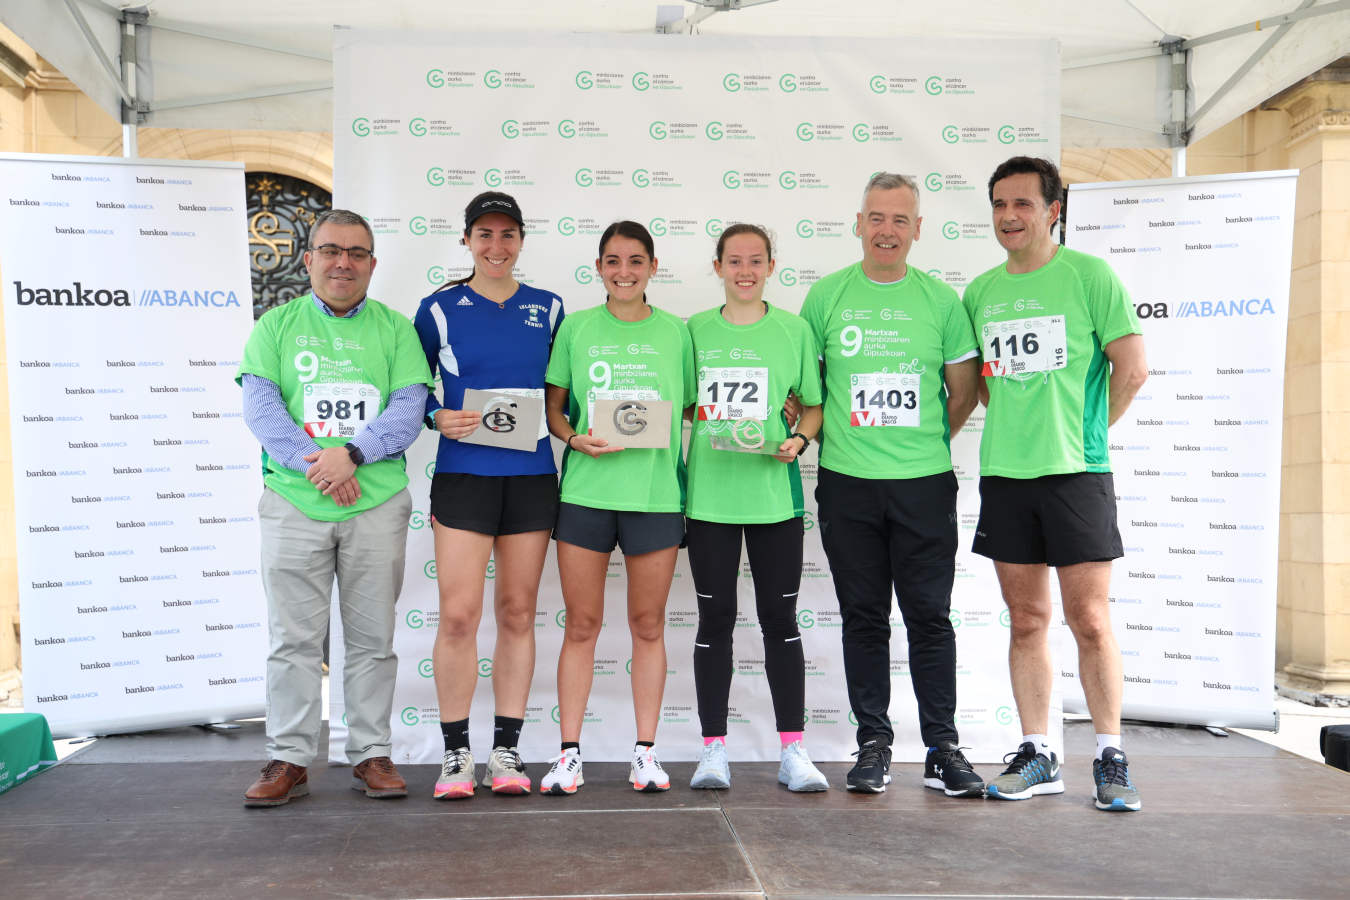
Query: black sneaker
(1115,792)
(871,773)
(947,770)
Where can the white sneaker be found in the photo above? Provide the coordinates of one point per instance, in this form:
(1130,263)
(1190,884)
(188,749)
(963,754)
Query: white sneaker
(505,772)
(646,773)
(564,777)
(456,778)
(713,771)
(797,771)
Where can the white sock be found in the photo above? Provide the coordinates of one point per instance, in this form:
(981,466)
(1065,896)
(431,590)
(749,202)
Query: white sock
(1041,742)
(1107,740)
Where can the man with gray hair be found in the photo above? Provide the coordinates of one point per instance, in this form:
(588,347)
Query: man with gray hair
(900,370)
(334,389)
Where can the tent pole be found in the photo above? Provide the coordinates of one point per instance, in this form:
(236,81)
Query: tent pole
(1179,162)
(131,105)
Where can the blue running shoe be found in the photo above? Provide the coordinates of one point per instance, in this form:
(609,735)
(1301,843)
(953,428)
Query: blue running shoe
(1115,793)
(1029,773)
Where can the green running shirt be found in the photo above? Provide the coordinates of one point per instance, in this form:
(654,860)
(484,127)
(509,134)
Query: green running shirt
(1041,336)
(744,374)
(884,346)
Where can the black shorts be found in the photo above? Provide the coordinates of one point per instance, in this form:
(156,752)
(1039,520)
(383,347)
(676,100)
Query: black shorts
(494,504)
(634,532)
(1058,520)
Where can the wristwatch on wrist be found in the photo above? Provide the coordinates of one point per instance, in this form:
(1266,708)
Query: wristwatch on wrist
(358,458)
(806,442)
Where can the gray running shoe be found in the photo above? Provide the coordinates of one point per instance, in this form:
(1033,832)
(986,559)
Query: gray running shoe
(1029,773)
(712,773)
(797,772)
(1115,793)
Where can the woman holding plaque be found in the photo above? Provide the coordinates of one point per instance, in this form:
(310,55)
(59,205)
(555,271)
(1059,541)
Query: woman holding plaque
(744,481)
(494,494)
(619,380)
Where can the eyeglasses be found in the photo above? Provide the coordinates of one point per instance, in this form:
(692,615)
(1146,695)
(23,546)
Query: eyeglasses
(333,252)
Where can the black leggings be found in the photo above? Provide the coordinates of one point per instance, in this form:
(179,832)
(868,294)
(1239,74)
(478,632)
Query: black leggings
(776,565)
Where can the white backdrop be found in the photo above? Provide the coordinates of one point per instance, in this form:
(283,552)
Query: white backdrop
(1197,457)
(685,136)
(126,303)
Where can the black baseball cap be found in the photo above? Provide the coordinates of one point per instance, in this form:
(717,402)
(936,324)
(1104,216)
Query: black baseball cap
(492,202)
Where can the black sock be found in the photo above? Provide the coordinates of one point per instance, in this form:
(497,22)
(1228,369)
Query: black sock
(455,734)
(648,744)
(506,731)
(571,745)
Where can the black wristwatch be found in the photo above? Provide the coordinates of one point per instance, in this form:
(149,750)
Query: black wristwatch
(358,458)
(806,442)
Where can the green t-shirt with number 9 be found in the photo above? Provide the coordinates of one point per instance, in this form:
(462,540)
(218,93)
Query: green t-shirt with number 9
(335,375)
(884,348)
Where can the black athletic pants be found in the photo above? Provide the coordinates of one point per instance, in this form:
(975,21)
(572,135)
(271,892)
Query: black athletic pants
(900,533)
(775,552)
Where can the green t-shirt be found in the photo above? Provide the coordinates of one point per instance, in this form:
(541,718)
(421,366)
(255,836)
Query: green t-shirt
(744,374)
(884,346)
(1041,335)
(335,375)
(596,356)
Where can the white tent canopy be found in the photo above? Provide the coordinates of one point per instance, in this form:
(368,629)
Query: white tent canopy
(1136,73)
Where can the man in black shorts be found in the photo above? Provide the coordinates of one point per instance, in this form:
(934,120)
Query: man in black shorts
(1063,356)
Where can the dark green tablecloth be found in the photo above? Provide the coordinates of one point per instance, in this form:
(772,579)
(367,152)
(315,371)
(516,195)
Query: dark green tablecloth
(25,748)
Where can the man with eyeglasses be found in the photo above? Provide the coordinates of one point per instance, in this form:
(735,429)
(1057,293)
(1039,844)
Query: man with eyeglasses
(334,389)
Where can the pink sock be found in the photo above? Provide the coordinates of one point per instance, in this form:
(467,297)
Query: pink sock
(789,737)
(719,737)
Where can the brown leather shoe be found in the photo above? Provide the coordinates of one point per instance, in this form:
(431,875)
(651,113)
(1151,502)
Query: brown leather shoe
(279,783)
(378,778)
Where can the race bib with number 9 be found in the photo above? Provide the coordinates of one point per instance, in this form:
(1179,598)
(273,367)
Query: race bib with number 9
(884,399)
(1018,346)
(733,393)
(339,409)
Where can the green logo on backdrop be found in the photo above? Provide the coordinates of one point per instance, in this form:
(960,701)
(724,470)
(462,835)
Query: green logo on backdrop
(361,126)
(1005,619)
(951,231)
(1003,715)
(492,78)
(861,133)
(714,131)
(418,520)
(510,129)
(417,127)
(435,275)
(561,618)
(553,714)
(641,178)
(418,225)
(877,84)
(628,666)
(808,521)
(934,181)
(409,716)
(414,619)
(1006,135)
(567,226)
(657,130)
(435,176)
(806,132)
(955,617)
(429,569)
(951,134)
(788,83)
(492,177)
(731,179)
(852,719)
(426,668)
(584,178)
(641,81)
(806,618)
(435,78)
(731,82)
(485,667)
(584,80)
(567,128)
(805,228)
(584,275)
(431,466)
(713,228)
(787,179)
(787,276)
(492,568)
(657,226)
(933,85)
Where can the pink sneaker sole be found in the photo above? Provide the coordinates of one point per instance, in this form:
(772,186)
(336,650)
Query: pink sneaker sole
(514,784)
(455,790)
